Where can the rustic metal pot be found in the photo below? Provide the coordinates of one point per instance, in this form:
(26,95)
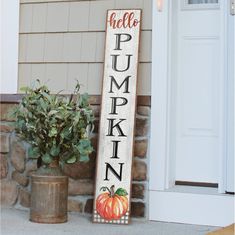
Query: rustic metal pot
(49,195)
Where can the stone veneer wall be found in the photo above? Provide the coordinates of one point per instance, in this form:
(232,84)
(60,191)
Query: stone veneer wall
(16,168)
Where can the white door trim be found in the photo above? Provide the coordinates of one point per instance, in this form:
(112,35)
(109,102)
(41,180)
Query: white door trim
(230,106)
(161,175)
(179,207)
(224,72)
(9,31)
(159,93)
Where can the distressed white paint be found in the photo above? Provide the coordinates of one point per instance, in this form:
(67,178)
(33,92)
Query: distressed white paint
(127,111)
(9,31)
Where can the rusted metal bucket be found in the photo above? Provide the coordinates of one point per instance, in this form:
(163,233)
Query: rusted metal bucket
(49,196)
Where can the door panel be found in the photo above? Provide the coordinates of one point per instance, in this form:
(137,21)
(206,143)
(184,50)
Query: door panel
(198,93)
(198,87)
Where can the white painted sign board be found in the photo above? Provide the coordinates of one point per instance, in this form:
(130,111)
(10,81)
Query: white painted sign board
(115,151)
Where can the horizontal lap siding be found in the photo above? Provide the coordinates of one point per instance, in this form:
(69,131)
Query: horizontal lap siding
(63,41)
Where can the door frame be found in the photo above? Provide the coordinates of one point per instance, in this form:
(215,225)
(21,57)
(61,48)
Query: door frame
(9,44)
(161,173)
(231,103)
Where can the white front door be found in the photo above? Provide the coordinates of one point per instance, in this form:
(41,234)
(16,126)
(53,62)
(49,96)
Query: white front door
(197,99)
(189,118)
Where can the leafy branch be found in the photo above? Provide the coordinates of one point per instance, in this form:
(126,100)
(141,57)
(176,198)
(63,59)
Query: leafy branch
(54,125)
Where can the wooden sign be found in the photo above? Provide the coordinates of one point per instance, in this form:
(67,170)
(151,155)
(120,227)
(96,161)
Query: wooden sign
(115,151)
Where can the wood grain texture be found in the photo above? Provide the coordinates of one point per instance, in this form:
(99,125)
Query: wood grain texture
(229,230)
(117,121)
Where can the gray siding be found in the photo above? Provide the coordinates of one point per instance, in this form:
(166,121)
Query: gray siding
(61,41)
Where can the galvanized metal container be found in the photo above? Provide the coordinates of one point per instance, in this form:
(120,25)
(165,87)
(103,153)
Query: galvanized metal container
(49,196)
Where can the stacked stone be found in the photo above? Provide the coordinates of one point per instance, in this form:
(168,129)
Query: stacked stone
(16,168)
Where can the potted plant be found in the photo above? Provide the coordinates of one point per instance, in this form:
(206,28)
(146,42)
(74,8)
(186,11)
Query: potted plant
(58,130)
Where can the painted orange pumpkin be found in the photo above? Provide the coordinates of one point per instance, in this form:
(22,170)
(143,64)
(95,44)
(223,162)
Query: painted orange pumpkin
(112,205)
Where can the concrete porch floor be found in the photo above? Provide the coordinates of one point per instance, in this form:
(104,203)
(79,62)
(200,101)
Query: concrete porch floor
(16,222)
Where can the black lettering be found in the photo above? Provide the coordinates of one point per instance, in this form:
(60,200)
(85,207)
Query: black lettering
(114,63)
(109,167)
(117,126)
(125,81)
(119,39)
(115,104)
(115,148)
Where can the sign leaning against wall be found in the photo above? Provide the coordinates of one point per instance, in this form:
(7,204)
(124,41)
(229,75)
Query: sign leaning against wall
(115,151)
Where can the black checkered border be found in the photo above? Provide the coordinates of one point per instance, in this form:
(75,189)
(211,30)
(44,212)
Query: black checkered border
(123,220)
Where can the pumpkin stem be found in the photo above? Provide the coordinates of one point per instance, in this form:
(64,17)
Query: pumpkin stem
(112,191)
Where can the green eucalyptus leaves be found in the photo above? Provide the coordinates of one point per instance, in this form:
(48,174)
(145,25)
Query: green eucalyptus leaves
(55,125)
